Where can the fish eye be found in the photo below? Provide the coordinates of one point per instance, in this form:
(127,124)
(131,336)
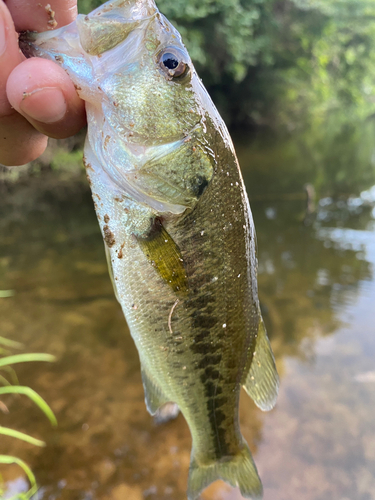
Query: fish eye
(172,62)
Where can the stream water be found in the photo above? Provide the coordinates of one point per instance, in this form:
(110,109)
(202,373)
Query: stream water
(317,292)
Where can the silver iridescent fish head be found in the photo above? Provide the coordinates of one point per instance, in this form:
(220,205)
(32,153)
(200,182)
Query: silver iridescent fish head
(144,101)
(126,58)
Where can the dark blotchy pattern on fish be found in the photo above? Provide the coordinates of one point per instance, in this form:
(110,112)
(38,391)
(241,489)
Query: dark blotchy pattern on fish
(221,327)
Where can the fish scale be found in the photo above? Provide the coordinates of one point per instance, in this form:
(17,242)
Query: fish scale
(177,227)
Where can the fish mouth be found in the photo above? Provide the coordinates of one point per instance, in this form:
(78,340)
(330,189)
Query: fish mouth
(128,9)
(98,32)
(111,23)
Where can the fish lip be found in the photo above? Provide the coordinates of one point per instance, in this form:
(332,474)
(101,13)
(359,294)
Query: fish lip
(118,4)
(31,42)
(26,41)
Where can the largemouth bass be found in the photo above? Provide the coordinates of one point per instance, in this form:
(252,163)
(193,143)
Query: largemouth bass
(177,226)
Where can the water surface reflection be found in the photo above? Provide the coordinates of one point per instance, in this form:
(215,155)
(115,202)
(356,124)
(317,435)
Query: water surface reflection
(317,286)
(317,291)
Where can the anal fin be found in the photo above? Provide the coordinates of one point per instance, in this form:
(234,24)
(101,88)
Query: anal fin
(154,395)
(167,412)
(262,381)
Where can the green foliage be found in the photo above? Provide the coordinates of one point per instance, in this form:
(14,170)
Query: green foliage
(8,388)
(333,63)
(267,61)
(8,460)
(86,6)
(67,160)
(307,65)
(5,431)
(24,358)
(10,343)
(35,398)
(223,36)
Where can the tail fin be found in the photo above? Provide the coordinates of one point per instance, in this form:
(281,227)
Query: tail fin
(239,470)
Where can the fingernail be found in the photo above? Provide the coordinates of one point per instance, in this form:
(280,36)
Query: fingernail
(46,105)
(3,40)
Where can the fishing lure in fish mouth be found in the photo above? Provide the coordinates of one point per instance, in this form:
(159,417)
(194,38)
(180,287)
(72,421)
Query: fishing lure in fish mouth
(177,227)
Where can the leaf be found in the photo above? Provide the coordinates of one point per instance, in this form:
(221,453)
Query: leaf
(37,400)
(34,396)
(6,293)
(12,373)
(4,409)
(10,343)
(4,381)
(5,431)
(24,358)
(9,460)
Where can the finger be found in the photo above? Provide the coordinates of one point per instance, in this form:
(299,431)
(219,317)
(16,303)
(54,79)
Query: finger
(44,94)
(41,15)
(19,141)
(10,55)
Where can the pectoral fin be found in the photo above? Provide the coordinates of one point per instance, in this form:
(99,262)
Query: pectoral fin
(262,381)
(110,270)
(165,256)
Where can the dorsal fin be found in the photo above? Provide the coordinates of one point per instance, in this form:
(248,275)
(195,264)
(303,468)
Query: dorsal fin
(262,381)
(164,255)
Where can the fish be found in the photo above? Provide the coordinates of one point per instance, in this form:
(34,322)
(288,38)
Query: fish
(177,227)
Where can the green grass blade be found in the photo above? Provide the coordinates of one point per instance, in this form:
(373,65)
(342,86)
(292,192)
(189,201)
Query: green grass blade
(6,293)
(4,409)
(5,431)
(24,358)
(10,343)
(25,496)
(4,381)
(12,374)
(34,396)
(8,460)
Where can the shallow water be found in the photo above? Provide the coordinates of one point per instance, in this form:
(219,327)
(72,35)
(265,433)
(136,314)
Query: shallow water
(317,291)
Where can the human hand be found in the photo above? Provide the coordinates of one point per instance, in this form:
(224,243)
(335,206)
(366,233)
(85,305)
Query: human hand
(37,98)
